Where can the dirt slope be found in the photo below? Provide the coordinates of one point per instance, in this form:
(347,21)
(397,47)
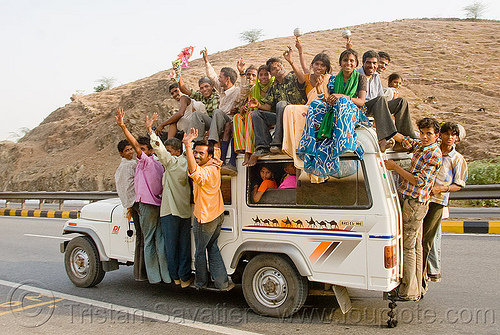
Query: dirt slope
(451,70)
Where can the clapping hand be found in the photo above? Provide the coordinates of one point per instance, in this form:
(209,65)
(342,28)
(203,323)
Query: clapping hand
(253,103)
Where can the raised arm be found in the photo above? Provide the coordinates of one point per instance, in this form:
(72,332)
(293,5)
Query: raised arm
(120,115)
(210,70)
(303,64)
(183,88)
(188,138)
(298,72)
(161,152)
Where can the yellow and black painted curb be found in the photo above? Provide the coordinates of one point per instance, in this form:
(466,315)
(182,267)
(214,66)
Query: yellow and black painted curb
(39,213)
(468,227)
(471,227)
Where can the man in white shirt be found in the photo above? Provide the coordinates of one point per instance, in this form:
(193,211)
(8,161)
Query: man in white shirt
(181,119)
(381,109)
(124,179)
(221,119)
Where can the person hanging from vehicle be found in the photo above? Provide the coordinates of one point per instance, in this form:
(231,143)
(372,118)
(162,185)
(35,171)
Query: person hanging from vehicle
(451,178)
(124,179)
(175,209)
(204,168)
(415,187)
(148,189)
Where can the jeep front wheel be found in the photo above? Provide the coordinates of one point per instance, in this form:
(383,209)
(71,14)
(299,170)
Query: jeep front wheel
(273,287)
(82,263)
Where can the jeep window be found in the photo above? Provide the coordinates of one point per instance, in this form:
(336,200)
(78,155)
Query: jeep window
(348,189)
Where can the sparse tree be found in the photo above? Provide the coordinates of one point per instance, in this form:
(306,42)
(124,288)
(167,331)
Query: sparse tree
(252,35)
(17,135)
(474,11)
(105,84)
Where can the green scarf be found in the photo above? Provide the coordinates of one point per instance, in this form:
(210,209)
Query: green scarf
(339,87)
(257,89)
(350,87)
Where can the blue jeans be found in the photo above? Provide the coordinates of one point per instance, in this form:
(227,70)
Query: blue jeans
(154,245)
(262,120)
(205,237)
(177,234)
(434,260)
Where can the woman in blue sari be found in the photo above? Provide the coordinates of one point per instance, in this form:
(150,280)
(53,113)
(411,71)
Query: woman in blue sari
(330,123)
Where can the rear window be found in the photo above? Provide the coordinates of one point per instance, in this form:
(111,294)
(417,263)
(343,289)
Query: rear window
(348,189)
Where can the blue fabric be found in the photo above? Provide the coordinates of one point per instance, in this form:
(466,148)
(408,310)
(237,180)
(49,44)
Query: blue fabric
(154,245)
(177,234)
(321,157)
(205,238)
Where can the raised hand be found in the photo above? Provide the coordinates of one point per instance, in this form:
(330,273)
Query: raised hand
(189,137)
(288,55)
(150,121)
(298,44)
(348,43)
(240,64)
(204,53)
(120,114)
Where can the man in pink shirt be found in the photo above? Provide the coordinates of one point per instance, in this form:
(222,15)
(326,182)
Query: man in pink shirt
(148,189)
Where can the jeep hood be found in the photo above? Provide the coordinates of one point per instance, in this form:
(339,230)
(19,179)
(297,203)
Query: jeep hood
(100,210)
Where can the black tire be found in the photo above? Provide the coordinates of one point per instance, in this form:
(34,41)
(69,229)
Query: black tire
(82,263)
(273,287)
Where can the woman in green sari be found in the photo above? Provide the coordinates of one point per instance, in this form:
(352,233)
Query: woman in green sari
(242,123)
(329,129)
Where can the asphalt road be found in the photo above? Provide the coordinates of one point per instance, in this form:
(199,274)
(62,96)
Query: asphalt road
(36,297)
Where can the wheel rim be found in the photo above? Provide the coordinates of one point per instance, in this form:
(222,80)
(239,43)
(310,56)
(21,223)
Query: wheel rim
(270,287)
(80,262)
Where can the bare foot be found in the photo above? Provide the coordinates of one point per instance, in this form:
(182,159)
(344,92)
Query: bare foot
(252,160)
(247,157)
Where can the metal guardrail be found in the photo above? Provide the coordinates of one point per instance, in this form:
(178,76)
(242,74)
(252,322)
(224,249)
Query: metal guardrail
(53,196)
(491,191)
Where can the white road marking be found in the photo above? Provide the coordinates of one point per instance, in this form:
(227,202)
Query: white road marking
(131,311)
(47,236)
(471,234)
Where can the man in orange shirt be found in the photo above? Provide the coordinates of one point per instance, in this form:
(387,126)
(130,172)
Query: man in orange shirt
(204,168)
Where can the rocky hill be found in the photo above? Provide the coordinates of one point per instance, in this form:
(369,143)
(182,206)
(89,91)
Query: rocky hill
(450,67)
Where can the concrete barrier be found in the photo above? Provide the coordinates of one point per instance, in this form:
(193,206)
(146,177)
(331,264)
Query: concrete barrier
(471,227)
(39,213)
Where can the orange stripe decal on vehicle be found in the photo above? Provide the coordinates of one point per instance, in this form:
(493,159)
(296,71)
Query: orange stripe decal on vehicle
(323,251)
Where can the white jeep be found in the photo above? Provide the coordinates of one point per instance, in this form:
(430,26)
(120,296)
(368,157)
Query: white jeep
(344,232)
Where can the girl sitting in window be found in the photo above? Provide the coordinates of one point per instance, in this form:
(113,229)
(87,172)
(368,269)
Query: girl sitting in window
(268,181)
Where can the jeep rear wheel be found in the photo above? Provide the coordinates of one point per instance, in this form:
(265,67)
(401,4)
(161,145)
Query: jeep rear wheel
(273,287)
(82,263)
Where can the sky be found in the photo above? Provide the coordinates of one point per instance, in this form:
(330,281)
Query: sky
(51,49)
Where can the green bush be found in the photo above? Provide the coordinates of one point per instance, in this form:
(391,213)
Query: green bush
(484,172)
(481,172)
